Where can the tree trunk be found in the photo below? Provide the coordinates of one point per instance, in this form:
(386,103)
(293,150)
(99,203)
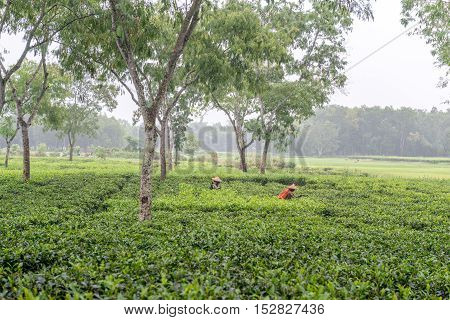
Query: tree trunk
(162,150)
(71,152)
(26,151)
(2,93)
(264,156)
(71,144)
(169,148)
(177,157)
(240,142)
(243,165)
(8,151)
(146,173)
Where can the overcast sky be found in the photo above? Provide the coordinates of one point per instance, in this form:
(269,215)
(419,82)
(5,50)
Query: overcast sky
(401,74)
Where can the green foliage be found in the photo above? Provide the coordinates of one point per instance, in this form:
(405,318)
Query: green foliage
(279,163)
(75,236)
(214,158)
(315,39)
(132,144)
(15,149)
(191,145)
(291,164)
(432,19)
(229,41)
(376,131)
(8,127)
(42,150)
(101,152)
(322,138)
(81,103)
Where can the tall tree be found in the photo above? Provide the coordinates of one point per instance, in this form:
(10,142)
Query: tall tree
(122,41)
(315,39)
(78,113)
(38,22)
(238,108)
(234,41)
(16,18)
(170,102)
(180,118)
(28,87)
(281,109)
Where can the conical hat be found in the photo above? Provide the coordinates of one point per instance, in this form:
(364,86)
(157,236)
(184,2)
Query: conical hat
(216,179)
(292,187)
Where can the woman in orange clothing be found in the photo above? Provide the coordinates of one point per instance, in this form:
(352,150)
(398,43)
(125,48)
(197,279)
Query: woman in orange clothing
(288,192)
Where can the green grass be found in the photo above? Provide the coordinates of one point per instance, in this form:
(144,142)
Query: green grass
(408,168)
(72,233)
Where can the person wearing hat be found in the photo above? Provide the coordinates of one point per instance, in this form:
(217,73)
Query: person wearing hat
(215,184)
(288,192)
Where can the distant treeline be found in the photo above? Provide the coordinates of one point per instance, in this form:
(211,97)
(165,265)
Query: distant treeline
(111,133)
(385,131)
(333,131)
(343,131)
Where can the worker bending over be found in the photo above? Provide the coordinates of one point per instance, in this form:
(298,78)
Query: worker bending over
(215,184)
(288,192)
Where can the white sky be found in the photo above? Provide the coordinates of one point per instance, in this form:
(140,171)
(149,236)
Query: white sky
(401,74)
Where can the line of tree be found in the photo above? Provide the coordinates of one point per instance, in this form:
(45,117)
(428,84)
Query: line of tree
(107,132)
(332,131)
(385,131)
(344,131)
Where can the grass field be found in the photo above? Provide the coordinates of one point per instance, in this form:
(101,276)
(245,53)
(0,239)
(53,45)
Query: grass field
(387,167)
(408,167)
(72,232)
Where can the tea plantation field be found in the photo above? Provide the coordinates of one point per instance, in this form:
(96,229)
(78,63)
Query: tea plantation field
(72,233)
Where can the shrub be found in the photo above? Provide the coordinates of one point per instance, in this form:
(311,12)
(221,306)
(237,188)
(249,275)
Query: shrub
(214,158)
(15,150)
(199,158)
(42,150)
(279,163)
(54,154)
(100,152)
(291,165)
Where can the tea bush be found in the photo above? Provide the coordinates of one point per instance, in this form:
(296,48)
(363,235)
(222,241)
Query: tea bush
(74,234)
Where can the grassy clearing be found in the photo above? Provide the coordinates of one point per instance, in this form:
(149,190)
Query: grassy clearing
(420,168)
(73,233)
(412,167)
(408,168)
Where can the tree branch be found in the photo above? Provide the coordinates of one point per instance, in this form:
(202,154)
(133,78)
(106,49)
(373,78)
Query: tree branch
(43,89)
(5,15)
(179,93)
(26,91)
(54,33)
(125,50)
(188,25)
(125,85)
(27,45)
(249,144)
(220,107)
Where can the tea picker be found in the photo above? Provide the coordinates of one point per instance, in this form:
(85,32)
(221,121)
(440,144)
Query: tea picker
(215,183)
(288,192)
